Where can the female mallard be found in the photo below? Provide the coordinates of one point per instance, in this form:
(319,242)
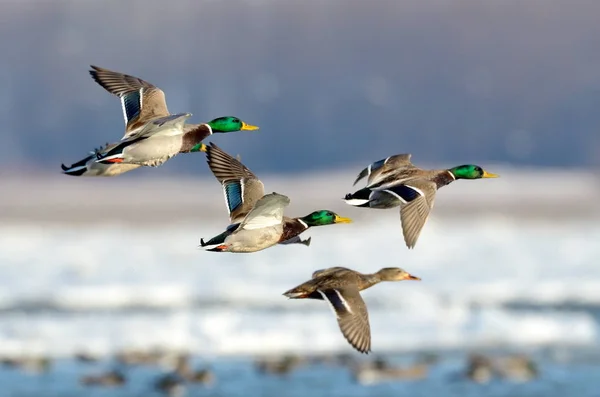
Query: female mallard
(395,181)
(242,189)
(152,134)
(341,288)
(261,228)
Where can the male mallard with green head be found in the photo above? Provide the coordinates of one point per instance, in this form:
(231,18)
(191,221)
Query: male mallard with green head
(395,181)
(341,287)
(152,134)
(261,228)
(242,189)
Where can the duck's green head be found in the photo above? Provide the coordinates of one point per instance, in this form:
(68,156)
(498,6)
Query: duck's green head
(223,125)
(230,124)
(470,171)
(324,217)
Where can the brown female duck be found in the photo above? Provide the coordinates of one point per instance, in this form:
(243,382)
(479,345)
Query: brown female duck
(341,288)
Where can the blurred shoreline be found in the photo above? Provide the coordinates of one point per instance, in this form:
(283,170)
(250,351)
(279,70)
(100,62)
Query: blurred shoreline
(540,194)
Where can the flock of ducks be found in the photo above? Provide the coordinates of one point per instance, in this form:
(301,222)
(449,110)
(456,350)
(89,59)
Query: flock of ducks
(172,373)
(153,136)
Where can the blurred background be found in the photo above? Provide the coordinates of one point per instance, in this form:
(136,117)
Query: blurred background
(103,290)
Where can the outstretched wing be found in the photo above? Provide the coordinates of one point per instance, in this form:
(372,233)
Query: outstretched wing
(141,101)
(241,187)
(352,317)
(417,197)
(267,212)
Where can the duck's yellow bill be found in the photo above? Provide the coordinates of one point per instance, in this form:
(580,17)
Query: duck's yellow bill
(203,148)
(341,219)
(411,277)
(248,127)
(489,175)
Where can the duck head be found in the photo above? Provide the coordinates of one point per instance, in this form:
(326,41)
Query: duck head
(471,171)
(395,274)
(230,124)
(324,217)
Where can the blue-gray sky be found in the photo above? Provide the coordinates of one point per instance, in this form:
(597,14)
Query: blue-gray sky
(330,82)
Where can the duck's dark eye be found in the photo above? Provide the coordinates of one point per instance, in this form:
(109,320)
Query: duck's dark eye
(236,120)
(478,169)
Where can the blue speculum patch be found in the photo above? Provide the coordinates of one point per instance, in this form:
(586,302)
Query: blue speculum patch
(131,103)
(233,192)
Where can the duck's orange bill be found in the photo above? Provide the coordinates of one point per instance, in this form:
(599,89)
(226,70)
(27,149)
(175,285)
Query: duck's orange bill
(411,277)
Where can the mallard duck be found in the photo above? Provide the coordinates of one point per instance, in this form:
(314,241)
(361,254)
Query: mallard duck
(202,376)
(480,368)
(279,366)
(261,228)
(341,288)
(517,368)
(111,378)
(395,181)
(381,371)
(184,373)
(34,365)
(152,134)
(170,384)
(242,189)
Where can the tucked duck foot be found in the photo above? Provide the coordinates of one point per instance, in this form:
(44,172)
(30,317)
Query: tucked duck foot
(111,161)
(306,242)
(218,248)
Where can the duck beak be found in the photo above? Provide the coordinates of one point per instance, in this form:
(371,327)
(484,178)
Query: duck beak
(248,127)
(411,277)
(203,148)
(291,294)
(489,175)
(341,219)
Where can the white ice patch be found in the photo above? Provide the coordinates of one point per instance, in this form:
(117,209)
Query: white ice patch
(116,286)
